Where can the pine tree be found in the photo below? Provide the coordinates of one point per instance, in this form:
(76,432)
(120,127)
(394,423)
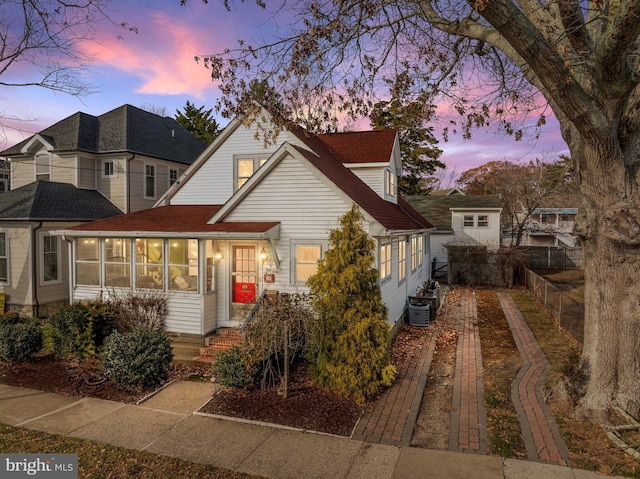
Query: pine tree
(350,337)
(199,122)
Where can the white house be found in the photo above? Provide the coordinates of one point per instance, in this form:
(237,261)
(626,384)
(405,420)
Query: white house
(245,219)
(460,219)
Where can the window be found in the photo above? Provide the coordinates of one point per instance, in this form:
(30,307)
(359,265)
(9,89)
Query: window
(109,168)
(385,261)
(4,258)
(43,166)
(173,176)
(88,261)
(245,166)
(50,259)
(149,181)
(389,183)
(210,274)
(414,252)
(402,259)
(545,218)
(117,262)
(564,217)
(183,264)
(467,221)
(149,263)
(4,182)
(306,261)
(420,249)
(483,221)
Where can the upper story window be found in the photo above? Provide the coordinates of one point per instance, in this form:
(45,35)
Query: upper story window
(173,176)
(244,166)
(149,180)
(467,220)
(4,183)
(4,258)
(109,168)
(43,166)
(389,183)
(385,261)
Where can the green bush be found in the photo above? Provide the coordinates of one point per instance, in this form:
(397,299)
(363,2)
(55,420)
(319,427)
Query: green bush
(137,359)
(9,318)
(20,342)
(229,368)
(79,329)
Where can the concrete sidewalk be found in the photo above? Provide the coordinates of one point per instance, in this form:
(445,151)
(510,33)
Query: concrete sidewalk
(167,424)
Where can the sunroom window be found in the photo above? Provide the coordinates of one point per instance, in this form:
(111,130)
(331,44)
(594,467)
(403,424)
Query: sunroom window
(88,261)
(149,263)
(183,264)
(117,262)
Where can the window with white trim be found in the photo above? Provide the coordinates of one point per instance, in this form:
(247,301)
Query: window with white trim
(420,248)
(183,264)
(483,221)
(414,252)
(402,260)
(149,180)
(468,221)
(50,259)
(244,166)
(306,257)
(109,169)
(173,176)
(43,166)
(117,262)
(4,258)
(385,260)
(389,183)
(88,261)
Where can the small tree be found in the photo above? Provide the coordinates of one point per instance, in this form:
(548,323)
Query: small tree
(349,337)
(199,122)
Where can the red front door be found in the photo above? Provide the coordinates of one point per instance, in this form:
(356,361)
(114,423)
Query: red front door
(243,276)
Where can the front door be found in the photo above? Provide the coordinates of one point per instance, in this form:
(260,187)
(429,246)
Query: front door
(243,275)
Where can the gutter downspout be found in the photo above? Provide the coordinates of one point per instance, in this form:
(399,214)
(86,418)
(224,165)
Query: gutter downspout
(34,268)
(127,179)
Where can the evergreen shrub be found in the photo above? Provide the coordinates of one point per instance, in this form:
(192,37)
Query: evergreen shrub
(229,368)
(20,342)
(138,358)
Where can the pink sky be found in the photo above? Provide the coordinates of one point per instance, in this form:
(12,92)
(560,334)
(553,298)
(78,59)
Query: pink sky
(157,67)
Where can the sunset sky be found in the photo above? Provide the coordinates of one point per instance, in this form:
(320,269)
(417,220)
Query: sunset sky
(156,67)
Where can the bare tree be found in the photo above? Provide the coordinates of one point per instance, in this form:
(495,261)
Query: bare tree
(491,60)
(40,42)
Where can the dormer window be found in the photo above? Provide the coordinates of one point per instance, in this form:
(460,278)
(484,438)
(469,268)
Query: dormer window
(244,167)
(389,183)
(109,169)
(43,166)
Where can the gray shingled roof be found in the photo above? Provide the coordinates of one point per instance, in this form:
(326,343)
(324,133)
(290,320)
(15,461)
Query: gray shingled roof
(126,128)
(51,201)
(437,209)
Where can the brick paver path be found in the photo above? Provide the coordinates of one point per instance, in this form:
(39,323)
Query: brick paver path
(468,431)
(541,436)
(395,414)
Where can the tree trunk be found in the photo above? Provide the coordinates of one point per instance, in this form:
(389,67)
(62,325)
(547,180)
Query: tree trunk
(609,226)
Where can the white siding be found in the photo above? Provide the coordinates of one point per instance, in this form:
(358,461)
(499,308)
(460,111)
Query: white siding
(372,176)
(488,236)
(213,182)
(185,313)
(18,290)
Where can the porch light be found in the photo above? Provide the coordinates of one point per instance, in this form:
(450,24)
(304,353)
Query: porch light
(263,255)
(218,254)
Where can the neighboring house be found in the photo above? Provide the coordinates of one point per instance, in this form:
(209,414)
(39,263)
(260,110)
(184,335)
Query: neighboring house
(550,227)
(129,155)
(5,175)
(460,219)
(34,265)
(81,169)
(447,192)
(246,219)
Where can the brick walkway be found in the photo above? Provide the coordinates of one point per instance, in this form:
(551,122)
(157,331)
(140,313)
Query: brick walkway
(468,428)
(394,417)
(541,436)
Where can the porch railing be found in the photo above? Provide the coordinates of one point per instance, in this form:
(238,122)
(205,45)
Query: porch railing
(253,311)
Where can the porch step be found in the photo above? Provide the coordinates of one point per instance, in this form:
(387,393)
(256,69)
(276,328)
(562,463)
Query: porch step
(223,340)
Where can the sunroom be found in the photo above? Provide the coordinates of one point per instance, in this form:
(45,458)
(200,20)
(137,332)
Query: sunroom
(172,250)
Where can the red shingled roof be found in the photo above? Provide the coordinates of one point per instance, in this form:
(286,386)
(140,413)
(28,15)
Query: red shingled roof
(361,146)
(175,219)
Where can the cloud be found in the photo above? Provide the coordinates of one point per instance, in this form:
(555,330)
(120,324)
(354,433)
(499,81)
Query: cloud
(161,57)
